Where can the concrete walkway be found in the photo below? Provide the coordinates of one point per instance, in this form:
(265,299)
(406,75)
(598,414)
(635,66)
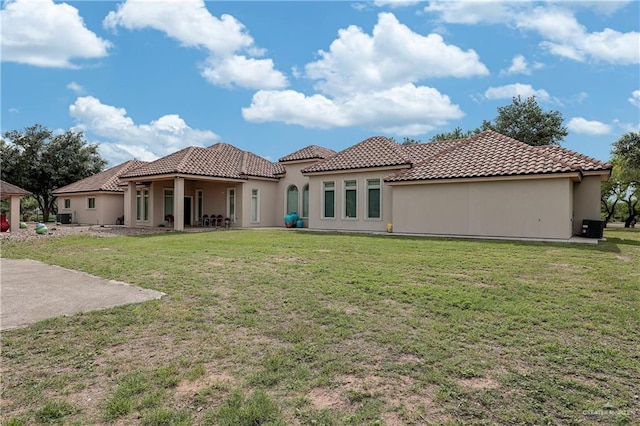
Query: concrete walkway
(31,291)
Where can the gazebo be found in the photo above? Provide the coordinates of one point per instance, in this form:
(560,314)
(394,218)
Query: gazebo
(14,194)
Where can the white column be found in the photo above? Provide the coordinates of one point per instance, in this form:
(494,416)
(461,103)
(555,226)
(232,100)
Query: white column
(178,204)
(130,205)
(14,221)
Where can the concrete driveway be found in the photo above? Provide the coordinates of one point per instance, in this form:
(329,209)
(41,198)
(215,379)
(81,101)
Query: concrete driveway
(31,291)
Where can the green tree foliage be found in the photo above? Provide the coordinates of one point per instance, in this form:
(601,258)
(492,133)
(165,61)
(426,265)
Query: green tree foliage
(627,148)
(457,133)
(624,184)
(525,121)
(39,161)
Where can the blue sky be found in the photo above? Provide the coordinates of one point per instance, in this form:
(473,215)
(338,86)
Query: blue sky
(144,79)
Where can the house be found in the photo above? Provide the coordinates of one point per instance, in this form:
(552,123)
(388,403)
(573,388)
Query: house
(95,200)
(488,185)
(220,181)
(14,194)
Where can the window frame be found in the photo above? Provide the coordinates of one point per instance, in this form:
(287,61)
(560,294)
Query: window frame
(290,189)
(349,187)
(67,203)
(368,196)
(305,201)
(90,201)
(325,190)
(255,206)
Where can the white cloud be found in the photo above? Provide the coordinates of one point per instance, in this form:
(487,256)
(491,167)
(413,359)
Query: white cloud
(583,126)
(370,80)
(245,72)
(14,110)
(395,3)
(75,87)
(635,98)
(46,34)
(519,65)
(122,139)
(511,90)
(562,33)
(225,38)
(393,55)
(404,110)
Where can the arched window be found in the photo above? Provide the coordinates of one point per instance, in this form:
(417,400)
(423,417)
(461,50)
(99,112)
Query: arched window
(292,199)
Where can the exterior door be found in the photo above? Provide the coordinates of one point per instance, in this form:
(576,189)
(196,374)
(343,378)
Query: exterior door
(187,211)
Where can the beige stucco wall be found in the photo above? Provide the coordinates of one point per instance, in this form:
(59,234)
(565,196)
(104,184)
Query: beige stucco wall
(360,223)
(109,206)
(534,208)
(292,177)
(586,201)
(268,204)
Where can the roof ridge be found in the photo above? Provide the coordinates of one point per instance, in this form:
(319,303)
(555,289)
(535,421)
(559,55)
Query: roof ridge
(243,163)
(185,157)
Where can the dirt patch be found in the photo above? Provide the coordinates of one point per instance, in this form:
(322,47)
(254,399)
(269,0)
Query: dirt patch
(479,383)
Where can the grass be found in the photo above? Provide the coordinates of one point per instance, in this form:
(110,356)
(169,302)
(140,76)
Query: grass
(275,327)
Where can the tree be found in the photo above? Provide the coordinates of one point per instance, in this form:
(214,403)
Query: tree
(39,161)
(457,133)
(525,121)
(628,149)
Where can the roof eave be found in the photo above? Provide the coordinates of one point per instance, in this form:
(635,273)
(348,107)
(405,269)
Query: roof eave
(575,175)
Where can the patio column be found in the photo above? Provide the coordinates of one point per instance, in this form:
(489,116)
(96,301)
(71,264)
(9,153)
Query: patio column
(130,205)
(14,221)
(178,204)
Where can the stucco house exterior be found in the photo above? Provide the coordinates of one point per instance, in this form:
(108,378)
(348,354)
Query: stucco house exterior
(488,185)
(95,200)
(14,194)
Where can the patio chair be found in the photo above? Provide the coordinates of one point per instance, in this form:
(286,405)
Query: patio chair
(219,220)
(204,220)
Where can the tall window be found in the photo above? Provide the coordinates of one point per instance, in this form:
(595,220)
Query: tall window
(305,201)
(168,202)
(198,203)
(231,204)
(67,203)
(142,204)
(292,199)
(373,199)
(91,202)
(255,212)
(328,199)
(350,199)
(145,198)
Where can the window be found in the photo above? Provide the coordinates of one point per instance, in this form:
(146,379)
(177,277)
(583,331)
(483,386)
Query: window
(138,205)
(328,199)
(373,199)
(91,202)
(255,212)
(142,204)
(292,199)
(350,199)
(67,203)
(199,203)
(168,202)
(305,201)
(145,197)
(231,204)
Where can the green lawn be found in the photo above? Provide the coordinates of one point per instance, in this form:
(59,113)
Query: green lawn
(277,327)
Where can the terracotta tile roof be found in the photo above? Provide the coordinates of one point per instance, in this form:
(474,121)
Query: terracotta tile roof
(377,151)
(492,154)
(575,159)
(219,160)
(310,152)
(107,181)
(7,188)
